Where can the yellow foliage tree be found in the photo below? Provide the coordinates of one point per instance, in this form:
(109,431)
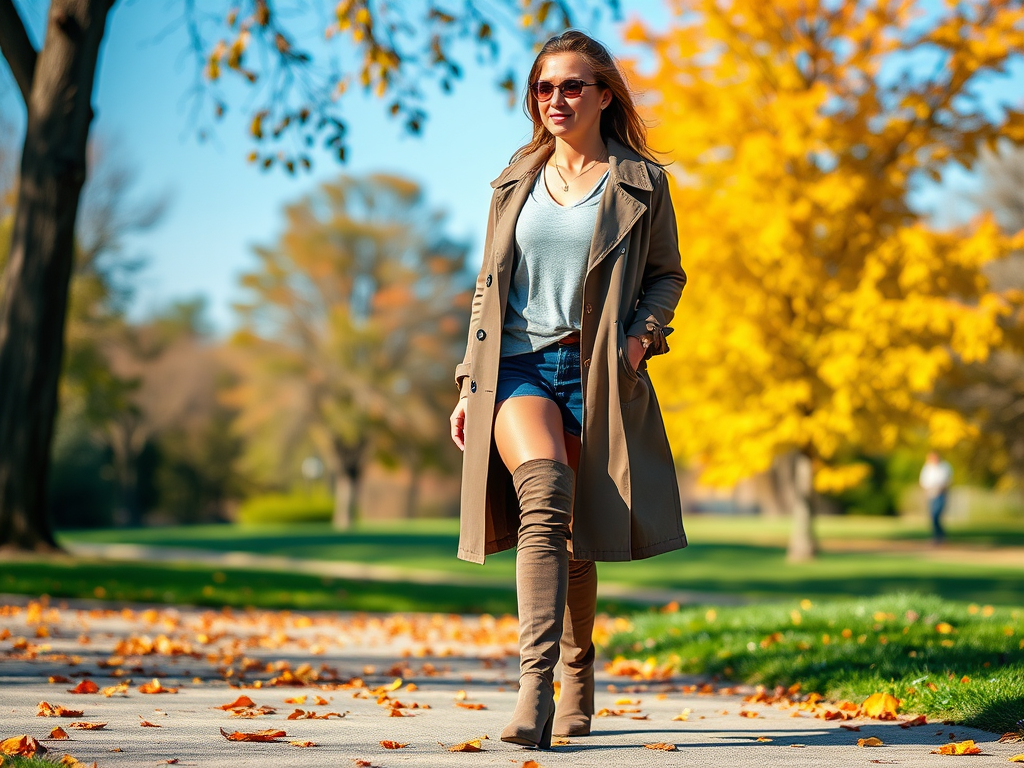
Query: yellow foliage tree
(822,307)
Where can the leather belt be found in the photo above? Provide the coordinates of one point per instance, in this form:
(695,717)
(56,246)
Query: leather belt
(573,338)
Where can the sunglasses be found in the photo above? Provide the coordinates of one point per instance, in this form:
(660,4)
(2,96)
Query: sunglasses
(542,90)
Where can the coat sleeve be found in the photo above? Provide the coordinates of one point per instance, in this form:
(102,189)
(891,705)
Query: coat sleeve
(663,279)
(463,368)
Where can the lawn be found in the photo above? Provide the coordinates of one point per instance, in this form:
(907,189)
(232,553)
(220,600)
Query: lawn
(728,556)
(944,659)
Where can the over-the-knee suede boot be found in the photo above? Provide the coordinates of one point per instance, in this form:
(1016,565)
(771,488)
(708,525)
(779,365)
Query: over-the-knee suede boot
(545,489)
(576,700)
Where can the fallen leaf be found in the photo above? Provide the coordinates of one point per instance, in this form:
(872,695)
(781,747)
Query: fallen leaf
(320,701)
(870,741)
(662,746)
(87,726)
(849,727)
(169,761)
(56,710)
(466,705)
(300,714)
(121,689)
(70,761)
(1017,758)
(59,679)
(748,713)
(296,700)
(393,745)
(297,743)
(967,747)
(683,716)
(59,733)
(242,702)
(763,738)
(881,706)
(473,745)
(266,735)
(22,746)
(1011,737)
(147,724)
(560,742)
(86,686)
(919,720)
(531,764)
(155,687)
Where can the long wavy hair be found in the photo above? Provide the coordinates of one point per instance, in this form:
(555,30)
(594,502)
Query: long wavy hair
(620,119)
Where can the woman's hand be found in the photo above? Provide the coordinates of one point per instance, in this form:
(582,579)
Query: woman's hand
(458,420)
(634,351)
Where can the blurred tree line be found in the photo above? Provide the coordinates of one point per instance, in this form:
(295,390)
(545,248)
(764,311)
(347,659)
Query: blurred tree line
(351,327)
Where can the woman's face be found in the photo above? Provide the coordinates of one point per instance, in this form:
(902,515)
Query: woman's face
(574,117)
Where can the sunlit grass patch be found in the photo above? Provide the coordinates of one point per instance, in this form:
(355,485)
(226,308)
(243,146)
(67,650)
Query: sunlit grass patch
(947,660)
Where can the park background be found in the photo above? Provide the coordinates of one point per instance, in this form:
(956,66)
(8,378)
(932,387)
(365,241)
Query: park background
(259,354)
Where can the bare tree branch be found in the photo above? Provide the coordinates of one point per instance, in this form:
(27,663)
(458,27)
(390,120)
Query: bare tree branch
(17,48)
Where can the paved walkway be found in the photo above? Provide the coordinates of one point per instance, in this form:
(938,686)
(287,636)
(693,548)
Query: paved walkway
(456,683)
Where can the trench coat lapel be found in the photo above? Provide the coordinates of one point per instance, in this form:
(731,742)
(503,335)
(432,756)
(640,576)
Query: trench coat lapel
(618,211)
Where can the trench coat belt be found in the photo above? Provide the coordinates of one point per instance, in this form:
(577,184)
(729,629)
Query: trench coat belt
(572,338)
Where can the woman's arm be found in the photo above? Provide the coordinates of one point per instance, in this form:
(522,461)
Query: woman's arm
(663,277)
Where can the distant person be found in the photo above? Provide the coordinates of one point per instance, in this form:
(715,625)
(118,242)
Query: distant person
(936,476)
(557,414)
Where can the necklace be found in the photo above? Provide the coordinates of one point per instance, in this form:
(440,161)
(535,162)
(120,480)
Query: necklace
(591,164)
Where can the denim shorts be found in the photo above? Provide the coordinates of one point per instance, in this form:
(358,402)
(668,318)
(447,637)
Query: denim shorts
(552,372)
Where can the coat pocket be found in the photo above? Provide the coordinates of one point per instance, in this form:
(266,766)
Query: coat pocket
(631,384)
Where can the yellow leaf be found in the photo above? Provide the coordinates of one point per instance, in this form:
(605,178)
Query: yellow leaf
(870,741)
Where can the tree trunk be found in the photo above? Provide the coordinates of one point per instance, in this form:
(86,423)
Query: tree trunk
(348,469)
(346,492)
(34,293)
(796,487)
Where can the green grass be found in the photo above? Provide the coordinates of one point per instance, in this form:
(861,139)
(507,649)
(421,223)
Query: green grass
(744,556)
(888,644)
(188,584)
(14,761)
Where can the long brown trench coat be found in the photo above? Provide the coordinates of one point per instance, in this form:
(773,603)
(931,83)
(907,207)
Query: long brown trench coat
(626,504)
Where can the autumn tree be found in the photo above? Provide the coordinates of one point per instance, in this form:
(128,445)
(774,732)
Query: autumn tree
(823,307)
(388,49)
(351,325)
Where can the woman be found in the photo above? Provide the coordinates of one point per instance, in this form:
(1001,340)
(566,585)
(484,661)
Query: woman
(565,453)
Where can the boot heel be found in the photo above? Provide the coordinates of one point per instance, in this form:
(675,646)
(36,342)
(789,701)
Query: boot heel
(545,736)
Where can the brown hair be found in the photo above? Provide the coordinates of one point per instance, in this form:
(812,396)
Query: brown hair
(620,119)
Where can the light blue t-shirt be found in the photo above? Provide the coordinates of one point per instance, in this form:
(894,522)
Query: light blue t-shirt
(545,296)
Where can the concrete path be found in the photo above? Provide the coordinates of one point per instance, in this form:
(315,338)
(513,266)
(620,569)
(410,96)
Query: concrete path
(456,683)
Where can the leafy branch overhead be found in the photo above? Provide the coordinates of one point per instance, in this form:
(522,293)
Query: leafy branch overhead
(392,50)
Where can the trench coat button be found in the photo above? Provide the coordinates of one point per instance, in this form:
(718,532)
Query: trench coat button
(472,386)
(488,281)
(590,308)
(481,334)
(622,250)
(586,363)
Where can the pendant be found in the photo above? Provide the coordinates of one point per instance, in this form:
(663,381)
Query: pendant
(565,188)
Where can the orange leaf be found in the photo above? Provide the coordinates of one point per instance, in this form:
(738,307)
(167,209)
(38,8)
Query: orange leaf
(473,745)
(120,688)
(881,706)
(320,701)
(267,735)
(56,710)
(86,686)
(392,745)
(59,679)
(59,733)
(919,720)
(23,746)
(870,741)
(147,724)
(958,748)
(155,687)
(86,726)
(297,743)
(662,746)
(748,713)
(240,703)
(465,705)
(296,700)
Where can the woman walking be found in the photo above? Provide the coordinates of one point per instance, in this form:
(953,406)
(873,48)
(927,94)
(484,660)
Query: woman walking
(565,453)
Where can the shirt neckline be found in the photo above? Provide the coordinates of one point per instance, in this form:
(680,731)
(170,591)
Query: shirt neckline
(581,201)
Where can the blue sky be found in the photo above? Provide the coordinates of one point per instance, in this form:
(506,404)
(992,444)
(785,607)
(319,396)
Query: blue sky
(221,206)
